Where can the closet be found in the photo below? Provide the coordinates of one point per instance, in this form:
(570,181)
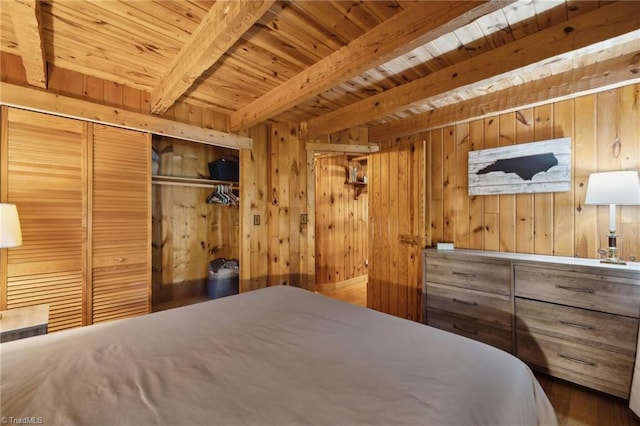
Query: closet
(83,196)
(191,225)
(101,239)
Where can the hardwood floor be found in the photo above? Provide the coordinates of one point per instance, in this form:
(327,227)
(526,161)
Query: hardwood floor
(574,405)
(577,405)
(353,291)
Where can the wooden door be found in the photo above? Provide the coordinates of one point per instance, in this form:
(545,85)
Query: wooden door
(120,223)
(396,229)
(43,173)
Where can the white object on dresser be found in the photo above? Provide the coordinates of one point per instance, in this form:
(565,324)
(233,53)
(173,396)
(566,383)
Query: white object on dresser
(573,318)
(445,246)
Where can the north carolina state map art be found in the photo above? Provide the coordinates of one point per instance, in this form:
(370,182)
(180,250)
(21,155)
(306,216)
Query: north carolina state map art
(543,166)
(526,166)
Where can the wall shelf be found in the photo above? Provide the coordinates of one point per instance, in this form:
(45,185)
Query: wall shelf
(362,159)
(194,182)
(358,187)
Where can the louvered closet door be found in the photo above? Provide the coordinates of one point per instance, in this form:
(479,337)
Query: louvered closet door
(121,223)
(46,180)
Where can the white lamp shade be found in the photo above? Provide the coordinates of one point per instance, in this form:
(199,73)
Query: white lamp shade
(10,233)
(621,188)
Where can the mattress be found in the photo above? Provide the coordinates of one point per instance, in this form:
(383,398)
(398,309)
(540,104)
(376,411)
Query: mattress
(275,356)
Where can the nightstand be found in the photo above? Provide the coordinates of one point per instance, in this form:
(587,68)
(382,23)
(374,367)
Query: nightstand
(24,322)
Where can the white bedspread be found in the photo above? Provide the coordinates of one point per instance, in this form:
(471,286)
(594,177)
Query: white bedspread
(276,356)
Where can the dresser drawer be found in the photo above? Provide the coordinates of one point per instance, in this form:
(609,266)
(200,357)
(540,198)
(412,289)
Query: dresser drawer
(599,329)
(610,293)
(463,326)
(492,309)
(596,368)
(493,277)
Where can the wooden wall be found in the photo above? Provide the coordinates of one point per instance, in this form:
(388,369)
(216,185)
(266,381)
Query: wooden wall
(341,222)
(280,250)
(605,134)
(274,183)
(278,187)
(274,179)
(188,233)
(254,248)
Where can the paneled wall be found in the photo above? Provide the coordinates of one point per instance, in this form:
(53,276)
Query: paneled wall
(254,247)
(605,133)
(273,178)
(278,249)
(274,242)
(276,246)
(341,221)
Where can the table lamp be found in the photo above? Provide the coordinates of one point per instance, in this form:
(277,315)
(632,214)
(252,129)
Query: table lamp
(613,188)
(10,233)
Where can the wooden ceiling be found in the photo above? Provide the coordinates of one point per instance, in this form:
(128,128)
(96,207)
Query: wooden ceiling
(393,66)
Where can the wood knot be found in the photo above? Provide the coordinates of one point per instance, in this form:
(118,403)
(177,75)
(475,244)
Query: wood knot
(634,66)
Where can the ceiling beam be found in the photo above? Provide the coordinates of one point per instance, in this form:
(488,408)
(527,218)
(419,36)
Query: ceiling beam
(545,46)
(221,28)
(25,16)
(41,101)
(609,74)
(401,34)
(341,148)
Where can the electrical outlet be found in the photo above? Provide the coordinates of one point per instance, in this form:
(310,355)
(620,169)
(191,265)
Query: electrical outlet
(303,219)
(256,219)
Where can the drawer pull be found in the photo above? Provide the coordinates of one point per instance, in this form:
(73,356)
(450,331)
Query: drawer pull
(464,274)
(578,360)
(120,259)
(576,325)
(465,330)
(465,302)
(578,289)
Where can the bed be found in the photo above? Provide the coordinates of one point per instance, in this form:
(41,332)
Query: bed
(275,356)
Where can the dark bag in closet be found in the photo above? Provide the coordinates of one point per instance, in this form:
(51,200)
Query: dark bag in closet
(226,168)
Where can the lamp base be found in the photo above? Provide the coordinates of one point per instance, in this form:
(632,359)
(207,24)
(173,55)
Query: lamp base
(611,252)
(614,261)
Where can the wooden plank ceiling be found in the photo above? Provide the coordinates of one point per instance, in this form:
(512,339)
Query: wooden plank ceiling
(393,66)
